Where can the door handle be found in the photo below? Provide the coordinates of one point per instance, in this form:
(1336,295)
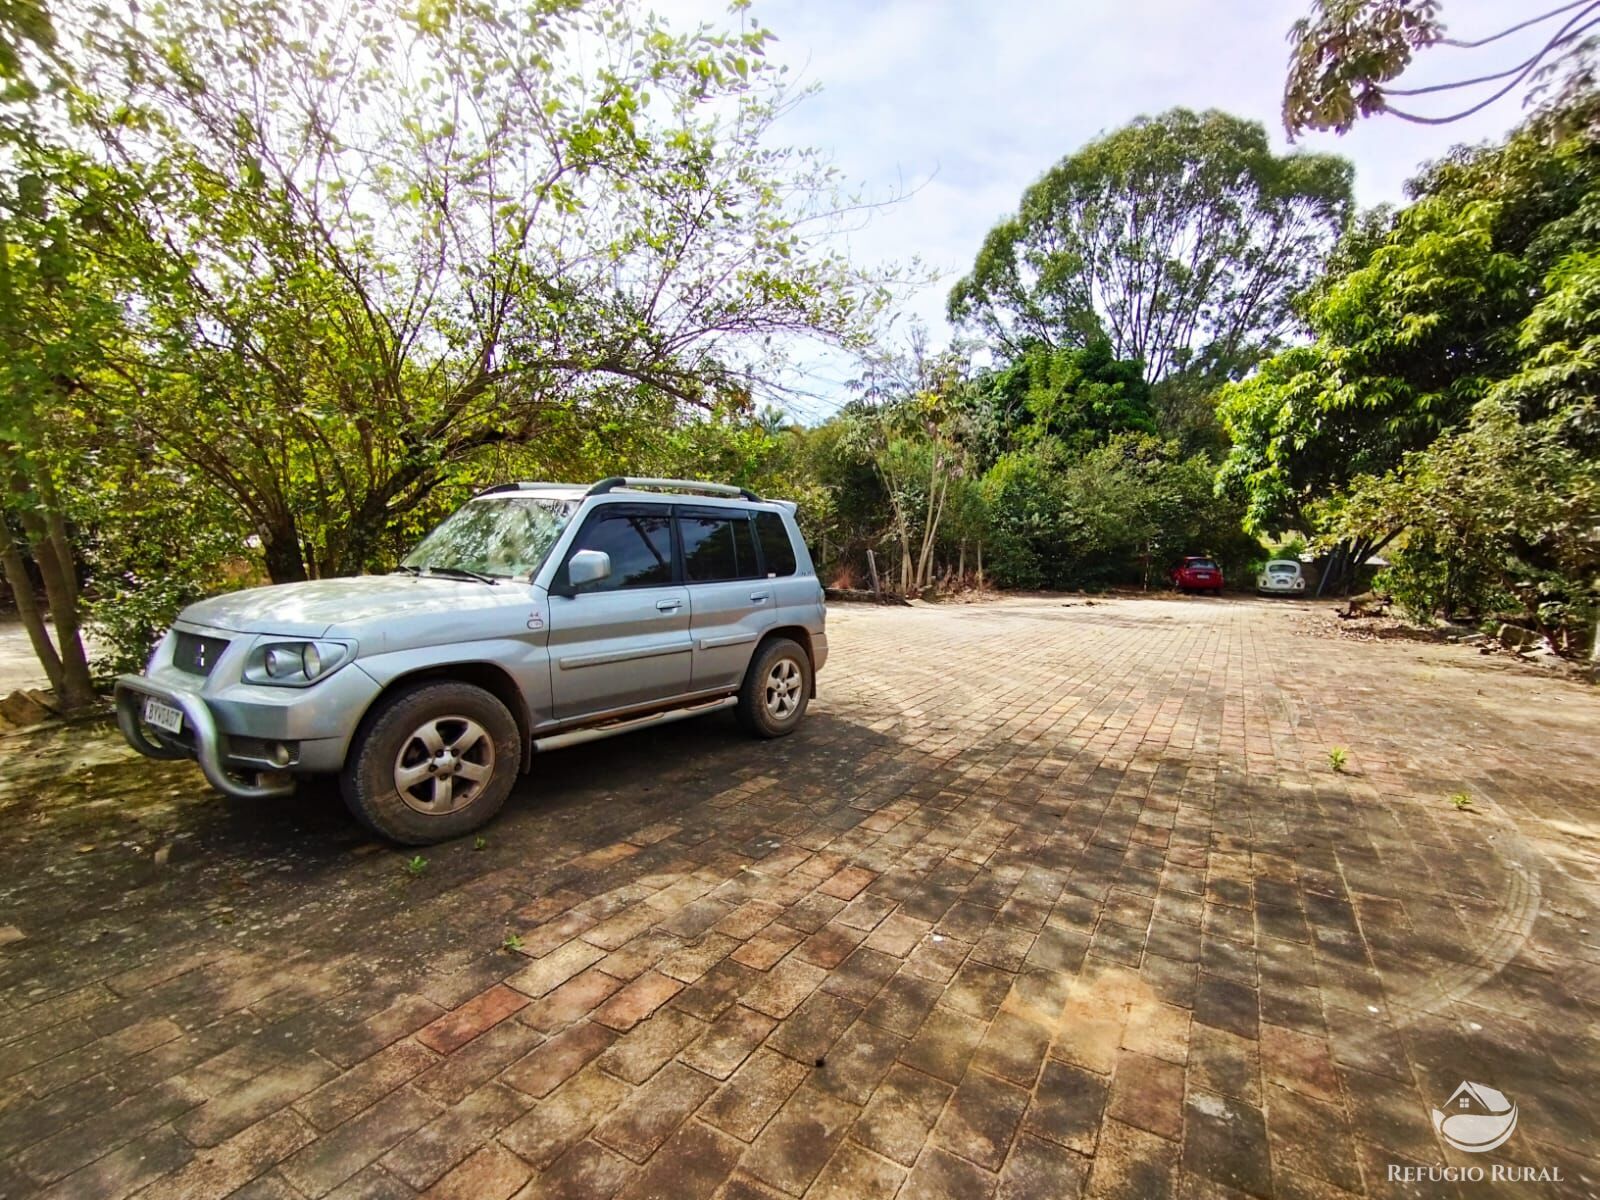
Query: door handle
(758,597)
(668,605)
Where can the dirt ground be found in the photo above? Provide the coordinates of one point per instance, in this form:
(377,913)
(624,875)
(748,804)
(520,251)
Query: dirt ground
(1045,899)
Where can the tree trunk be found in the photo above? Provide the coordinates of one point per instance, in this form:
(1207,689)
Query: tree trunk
(280,548)
(980,564)
(21,584)
(47,538)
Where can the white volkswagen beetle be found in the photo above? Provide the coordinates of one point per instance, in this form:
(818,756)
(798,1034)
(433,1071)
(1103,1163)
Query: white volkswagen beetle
(1281,576)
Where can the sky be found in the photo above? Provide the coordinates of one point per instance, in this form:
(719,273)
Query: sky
(959,105)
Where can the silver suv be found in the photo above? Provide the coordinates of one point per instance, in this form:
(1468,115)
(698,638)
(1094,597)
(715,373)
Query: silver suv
(539,615)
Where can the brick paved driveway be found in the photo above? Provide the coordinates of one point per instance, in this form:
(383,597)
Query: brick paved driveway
(1044,899)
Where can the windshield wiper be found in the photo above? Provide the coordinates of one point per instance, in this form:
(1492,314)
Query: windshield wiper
(449,573)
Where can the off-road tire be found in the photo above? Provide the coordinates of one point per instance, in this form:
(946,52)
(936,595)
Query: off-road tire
(754,711)
(368,783)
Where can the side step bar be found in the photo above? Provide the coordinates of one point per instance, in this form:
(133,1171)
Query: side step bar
(577,737)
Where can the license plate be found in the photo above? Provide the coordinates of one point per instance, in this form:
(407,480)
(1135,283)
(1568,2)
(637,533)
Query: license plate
(163,716)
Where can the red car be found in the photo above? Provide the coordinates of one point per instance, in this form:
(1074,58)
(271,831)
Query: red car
(1197,575)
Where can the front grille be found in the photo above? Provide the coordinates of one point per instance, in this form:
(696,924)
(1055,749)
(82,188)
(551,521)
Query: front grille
(197,655)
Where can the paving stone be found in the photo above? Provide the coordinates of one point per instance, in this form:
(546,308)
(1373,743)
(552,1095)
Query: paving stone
(124,1170)
(799,1140)
(694,1162)
(901,1113)
(768,947)
(1225,1063)
(940,1175)
(1225,1140)
(571,1002)
(943,1045)
(1067,1106)
(459,1026)
(854,1173)
(637,1001)
(647,1117)
(240,1107)
(454,1078)
(744,1104)
(981,1119)
(1041,1170)
(783,988)
(728,1041)
(1131,1164)
(337,1155)
(809,1032)
(1147,1093)
(364,1084)
(453,1135)
(550,972)
(857,1062)
(563,1117)
(583,1172)
(546,1068)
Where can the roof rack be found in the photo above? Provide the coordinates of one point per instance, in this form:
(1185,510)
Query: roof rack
(521,485)
(671,485)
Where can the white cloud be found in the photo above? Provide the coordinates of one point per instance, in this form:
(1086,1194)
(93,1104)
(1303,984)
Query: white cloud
(974,101)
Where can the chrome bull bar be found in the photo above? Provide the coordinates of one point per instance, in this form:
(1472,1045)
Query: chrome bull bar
(207,741)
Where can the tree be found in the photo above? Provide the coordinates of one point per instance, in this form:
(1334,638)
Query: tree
(42,291)
(909,424)
(375,244)
(1081,396)
(1181,239)
(1482,288)
(1346,53)
(1498,514)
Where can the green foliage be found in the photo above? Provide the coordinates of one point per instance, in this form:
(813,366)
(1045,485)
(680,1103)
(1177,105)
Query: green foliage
(416,866)
(1461,801)
(512,943)
(1121,514)
(1182,239)
(1079,397)
(1338,759)
(1448,400)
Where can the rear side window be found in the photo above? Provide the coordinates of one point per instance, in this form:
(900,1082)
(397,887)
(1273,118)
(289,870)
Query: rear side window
(639,543)
(776,547)
(716,546)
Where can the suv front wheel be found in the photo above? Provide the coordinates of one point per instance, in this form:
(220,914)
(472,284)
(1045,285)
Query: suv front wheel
(434,761)
(776,689)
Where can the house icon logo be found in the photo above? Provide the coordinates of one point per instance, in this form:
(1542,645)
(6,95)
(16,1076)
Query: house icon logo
(1476,1118)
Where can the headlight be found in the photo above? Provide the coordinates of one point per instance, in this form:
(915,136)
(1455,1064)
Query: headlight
(295,664)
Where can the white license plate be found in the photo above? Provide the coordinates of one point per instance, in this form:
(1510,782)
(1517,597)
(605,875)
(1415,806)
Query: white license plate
(163,716)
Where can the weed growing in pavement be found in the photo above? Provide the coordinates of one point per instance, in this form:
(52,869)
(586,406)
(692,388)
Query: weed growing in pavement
(1462,801)
(1338,757)
(416,865)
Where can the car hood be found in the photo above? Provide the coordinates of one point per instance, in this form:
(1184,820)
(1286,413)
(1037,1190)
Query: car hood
(327,606)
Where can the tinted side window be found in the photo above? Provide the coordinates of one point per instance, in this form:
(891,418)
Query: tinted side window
(775,544)
(716,547)
(640,546)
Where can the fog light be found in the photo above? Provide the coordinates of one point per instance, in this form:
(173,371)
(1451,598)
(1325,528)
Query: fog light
(279,753)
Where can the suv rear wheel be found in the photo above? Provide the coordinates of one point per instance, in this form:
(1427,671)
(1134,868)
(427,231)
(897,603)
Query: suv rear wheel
(434,761)
(776,689)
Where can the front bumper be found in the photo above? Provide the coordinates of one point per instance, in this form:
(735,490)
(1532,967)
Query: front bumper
(130,693)
(248,738)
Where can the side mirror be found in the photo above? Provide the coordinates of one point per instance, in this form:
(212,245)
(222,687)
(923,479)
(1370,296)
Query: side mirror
(588,566)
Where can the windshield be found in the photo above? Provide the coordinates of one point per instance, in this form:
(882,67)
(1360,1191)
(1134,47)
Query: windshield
(1282,568)
(507,537)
